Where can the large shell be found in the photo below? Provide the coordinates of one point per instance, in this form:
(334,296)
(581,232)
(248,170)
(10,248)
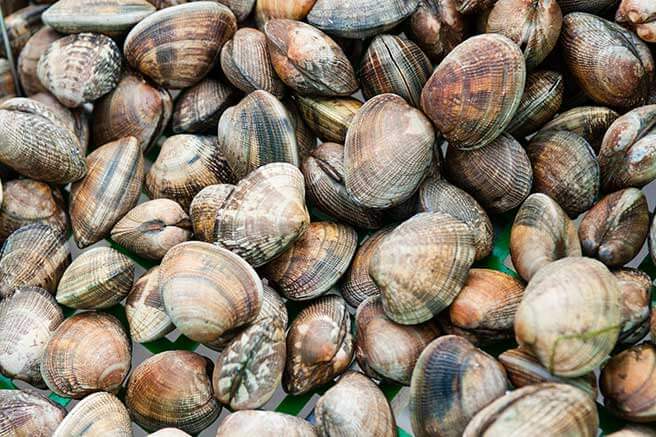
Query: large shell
(328,117)
(473,94)
(570,316)
(109,190)
(97,414)
(155,402)
(88,352)
(422,265)
(266,10)
(589,122)
(542,98)
(640,16)
(145,310)
(21,25)
(76,119)
(204,208)
(29,58)
(452,381)
(199,108)
(635,290)
(264,423)
(437,27)
(24,413)
(159,45)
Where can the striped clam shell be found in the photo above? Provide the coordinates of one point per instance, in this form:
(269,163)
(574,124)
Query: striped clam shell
(204,208)
(21,25)
(589,122)
(472,6)
(328,117)
(264,424)
(199,108)
(97,414)
(28,413)
(541,100)
(75,119)
(145,311)
(29,58)
(266,10)
(591,6)
(306,140)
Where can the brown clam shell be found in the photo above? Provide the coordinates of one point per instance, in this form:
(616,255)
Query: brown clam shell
(635,290)
(472,6)
(264,423)
(199,108)
(589,122)
(591,6)
(266,10)
(639,16)
(328,117)
(145,310)
(437,27)
(633,430)
(542,98)
(29,58)
(241,8)
(306,140)
(97,414)
(204,208)
(21,25)
(28,413)
(76,119)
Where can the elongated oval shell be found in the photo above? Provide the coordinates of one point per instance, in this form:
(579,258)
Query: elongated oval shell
(199,108)
(264,423)
(145,310)
(26,413)
(29,58)
(266,10)
(635,291)
(205,207)
(589,122)
(639,16)
(437,27)
(541,100)
(328,117)
(97,414)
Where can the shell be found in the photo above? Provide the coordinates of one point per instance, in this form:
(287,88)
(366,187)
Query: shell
(437,27)
(7,86)
(542,98)
(88,352)
(199,108)
(27,413)
(109,190)
(97,414)
(266,10)
(28,319)
(475,91)
(498,176)
(314,262)
(305,138)
(591,6)
(632,430)
(29,58)
(21,25)
(169,432)
(421,266)
(451,382)
(264,423)
(188,404)
(159,45)
(76,119)
(151,228)
(639,16)
(241,8)
(328,117)
(472,6)
(208,290)
(589,122)
(145,310)
(635,290)
(204,208)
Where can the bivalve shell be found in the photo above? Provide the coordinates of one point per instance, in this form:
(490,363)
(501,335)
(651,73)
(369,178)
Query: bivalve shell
(264,423)
(640,16)
(589,122)
(97,414)
(145,310)
(241,8)
(29,58)
(26,413)
(199,108)
(21,25)
(635,290)
(541,100)
(328,117)
(205,207)
(76,119)
(437,27)
(591,6)
(266,10)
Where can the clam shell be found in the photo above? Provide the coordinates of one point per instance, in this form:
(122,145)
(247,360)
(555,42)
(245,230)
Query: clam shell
(328,117)
(472,6)
(7,86)
(589,122)
(97,414)
(264,424)
(632,430)
(541,100)
(26,413)
(205,207)
(199,108)
(145,310)
(437,27)
(639,16)
(306,140)
(591,6)
(241,8)
(21,25)
(76,119)
(266,10)
(29,58)
(169,432)
(635,290)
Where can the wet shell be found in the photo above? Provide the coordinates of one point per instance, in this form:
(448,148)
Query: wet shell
(451,382)
(319,345)
(204,208)
(499,175)
(159,45)
(592,6)
(305,138)
(591,44)
(437,27)
(314,262)
(76,119)
(570,316)
(97,414)
(475,91)
(208,290)
(26,413)
(155,403)
(29,58)
(266,10)
(635,290)
(589,122)
(27,321)
(264,423)
(307,60)
(109,190)
(185,165)
(542,98)
(145,310)
(199,108)
(151,228)
(640,16)
(422,265)
(328,117)
(241,8)
(21,25)
(88,352)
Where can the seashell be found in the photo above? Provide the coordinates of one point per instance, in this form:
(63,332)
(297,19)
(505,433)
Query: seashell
(632,430)
(134,108)
(29,58)
(313,263)
(475,91)
(589,122)
(265,213)
(110,189)
(451,382)
(188,404)
(591,6)
(28,319)
(394,65)
(377,173)
(80,68)
(28,413)
(571,412)
(307,60)
(357,20)
(241,8)
(204,208)
(366,411)
(7,86)
(21,25)
(88,352)
(421,266)
(590,44)
(76,119)
(542,98)
(208,290)
(169,432)
(264,423)
(36,254)
(639,16)
(246,144)
(266,10)
(498,176)
(570,316)
(145,310)
(246,63)
(51,153)
(471,6)
(199,108)
(437,27)
(111,17)
(11,6)
(305,138)
(159,45)
(319,345)
(387,350)
(328,117)
(97,414)
(98,278)
(564,168)
(151,228)
(635,303)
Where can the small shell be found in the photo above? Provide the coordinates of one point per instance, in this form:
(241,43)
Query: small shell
(29,58)
(199,108)
(76,119)
(145,310)
(97,414)
(639,16)
(205,207)
(542,98)
(635,290)
(437,27)
(241,8)
(589,122)
(264,423)
(27,413)
(21,25)
(328,117)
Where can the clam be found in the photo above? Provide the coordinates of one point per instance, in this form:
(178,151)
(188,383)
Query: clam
(26,413)
(29,58)
(306,140)
(319,345)
(169,432)
(591,6)
(640,16)
(498,176)
(632,430)
(7,86)
(475,91)
(437,27)
(145,310)
(264,423)
(591,44)
(76,119)
(471,6)
(241,8)
(204,208)
(97,414)
(589,122)
(635,292)
(452,381)
(421,266)
(208,290)
(542,98)
(541,233)
(155,403)
(88,352)
(570,412)
(570,316)
(199,108)
(328,117)
(266,10)
(160,44)
(28,319)
(109,190)
(313,263)
(151,228)
(21,25)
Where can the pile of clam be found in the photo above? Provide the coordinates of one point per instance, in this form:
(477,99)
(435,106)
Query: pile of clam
(348,160)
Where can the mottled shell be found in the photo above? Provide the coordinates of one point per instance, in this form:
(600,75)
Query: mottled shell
(76,119)
(266,10)
(570,316)
(635,290)
(88,352)
(155,403)
(27,413)
(241,8)
(97,414)
(475,91)
(499,175)
(110,189)
(159,45)
(541,100)
(328,117)
(145,310)
(204,208)
(307,60)
(21,25)
(452,381)
(639,16)
(264,423)
(437,27)
(589,122)
(199,108)
(29,58)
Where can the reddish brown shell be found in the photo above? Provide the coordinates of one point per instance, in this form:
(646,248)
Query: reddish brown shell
(29,58)
(437,27)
